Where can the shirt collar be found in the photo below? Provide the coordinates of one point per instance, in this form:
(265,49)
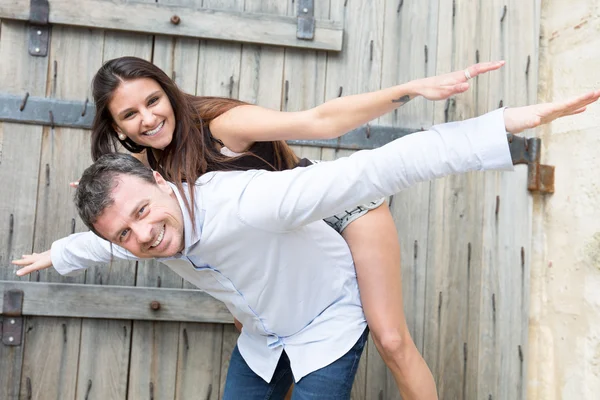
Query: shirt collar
(191,235)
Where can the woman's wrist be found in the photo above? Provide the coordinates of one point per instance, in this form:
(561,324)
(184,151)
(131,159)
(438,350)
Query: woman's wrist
(406,92)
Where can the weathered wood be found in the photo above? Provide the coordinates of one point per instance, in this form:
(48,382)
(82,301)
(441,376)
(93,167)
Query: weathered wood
(154,344)
(19,166)
(118,302)
(198,365)
(454,242)
(219,62)
(155,18)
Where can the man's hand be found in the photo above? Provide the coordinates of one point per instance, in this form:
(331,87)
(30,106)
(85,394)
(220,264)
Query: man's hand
(443,86)
(520,118)
(33,262)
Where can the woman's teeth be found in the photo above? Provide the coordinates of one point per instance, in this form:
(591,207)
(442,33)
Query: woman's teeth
(155,130)
(159,238)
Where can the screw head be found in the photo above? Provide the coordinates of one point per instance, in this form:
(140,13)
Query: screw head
(37,49)
(11,339)
(175,20)
(155,305)
(305,10)
(39,33)
(12,321)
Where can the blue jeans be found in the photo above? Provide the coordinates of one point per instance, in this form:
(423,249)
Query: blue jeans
(332,382)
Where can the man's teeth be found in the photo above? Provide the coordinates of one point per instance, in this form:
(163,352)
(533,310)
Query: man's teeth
(159,238)
(155,130)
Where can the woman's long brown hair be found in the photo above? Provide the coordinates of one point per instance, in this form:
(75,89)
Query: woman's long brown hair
(191,152)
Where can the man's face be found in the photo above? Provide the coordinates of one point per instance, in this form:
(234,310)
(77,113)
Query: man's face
(145,218)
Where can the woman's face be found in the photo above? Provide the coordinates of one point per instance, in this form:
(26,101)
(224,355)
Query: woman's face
(142,111)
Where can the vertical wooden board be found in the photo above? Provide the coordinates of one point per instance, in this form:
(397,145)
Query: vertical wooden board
(219,62)
(410,52)
(261,70)
(230,337)
(454,241)
(19,148)
(304,71)
(489,353)
(50,364)
(19,165)
(64,155)
(356,69)
(154,345)
(520,86)
(199,361)
(104,359)
(153,363)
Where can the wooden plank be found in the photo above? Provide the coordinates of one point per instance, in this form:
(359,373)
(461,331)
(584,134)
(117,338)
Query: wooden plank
(199,361)
(454,241)
(154,344)
(64,155)
(19,166)
(155,18)
(118,302)
(219,62)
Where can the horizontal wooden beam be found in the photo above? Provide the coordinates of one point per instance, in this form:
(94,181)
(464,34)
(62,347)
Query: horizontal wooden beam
(117,302)
(173,20)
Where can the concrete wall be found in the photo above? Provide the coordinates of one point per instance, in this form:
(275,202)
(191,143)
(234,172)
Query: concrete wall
(564,350)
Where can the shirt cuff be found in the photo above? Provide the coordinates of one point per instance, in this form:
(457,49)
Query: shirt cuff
(57,250)
(489,141)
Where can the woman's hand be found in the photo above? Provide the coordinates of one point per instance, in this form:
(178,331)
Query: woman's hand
(519,119)
(443,86)
(33,262)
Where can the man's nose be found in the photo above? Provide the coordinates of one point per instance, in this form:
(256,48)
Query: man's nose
(143,232)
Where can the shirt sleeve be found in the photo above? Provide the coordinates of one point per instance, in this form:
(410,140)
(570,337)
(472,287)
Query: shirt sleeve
(286,200)
(80,251)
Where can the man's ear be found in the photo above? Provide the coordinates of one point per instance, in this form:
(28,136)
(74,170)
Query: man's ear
(162,183)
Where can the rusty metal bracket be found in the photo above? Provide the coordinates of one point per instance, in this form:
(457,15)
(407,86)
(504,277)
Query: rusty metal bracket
(306,20)
(12,325)
(39,29)
(540,177)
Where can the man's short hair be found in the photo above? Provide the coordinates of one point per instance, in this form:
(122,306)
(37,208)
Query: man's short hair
(93,194)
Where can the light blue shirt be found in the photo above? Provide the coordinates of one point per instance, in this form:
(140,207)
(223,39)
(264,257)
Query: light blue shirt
(261,247)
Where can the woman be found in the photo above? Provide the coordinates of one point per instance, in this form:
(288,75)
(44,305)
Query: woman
(183,136)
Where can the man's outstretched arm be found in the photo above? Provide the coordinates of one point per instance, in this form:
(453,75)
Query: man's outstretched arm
(286,200)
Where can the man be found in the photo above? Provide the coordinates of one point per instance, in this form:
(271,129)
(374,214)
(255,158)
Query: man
(258,242)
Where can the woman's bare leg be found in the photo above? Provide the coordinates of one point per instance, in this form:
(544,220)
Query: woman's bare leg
(373,241)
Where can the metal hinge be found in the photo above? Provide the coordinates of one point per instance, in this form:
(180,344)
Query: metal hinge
(306,20)
(540,178)
(39,29)
(12,324)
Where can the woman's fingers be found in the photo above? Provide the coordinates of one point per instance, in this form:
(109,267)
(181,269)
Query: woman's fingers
(482,68)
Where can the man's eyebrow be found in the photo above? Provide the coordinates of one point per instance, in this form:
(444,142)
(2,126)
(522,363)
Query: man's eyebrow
(156,92)
(132,214)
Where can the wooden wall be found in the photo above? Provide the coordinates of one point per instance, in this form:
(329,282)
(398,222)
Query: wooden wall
(465,239)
